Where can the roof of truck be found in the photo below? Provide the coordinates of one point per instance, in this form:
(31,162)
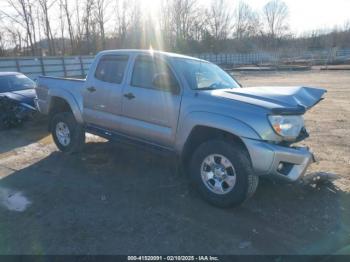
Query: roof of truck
(147,51)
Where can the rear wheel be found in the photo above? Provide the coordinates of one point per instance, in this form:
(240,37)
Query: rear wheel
(222,173)
(67,133)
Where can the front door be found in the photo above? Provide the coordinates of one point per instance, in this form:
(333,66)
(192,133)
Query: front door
(150,111)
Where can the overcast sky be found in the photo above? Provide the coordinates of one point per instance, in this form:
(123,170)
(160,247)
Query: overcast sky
(305,15)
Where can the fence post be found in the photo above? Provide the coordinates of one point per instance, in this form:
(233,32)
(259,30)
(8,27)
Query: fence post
(42,65)
(64,67)
(81,66)
(17,65)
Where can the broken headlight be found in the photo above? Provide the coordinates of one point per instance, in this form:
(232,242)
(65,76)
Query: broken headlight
(288,127)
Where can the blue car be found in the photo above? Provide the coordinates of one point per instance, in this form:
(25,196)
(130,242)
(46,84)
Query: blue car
(16,99)
(18,87)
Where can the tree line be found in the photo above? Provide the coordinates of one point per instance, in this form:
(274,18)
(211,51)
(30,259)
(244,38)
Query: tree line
(70,27)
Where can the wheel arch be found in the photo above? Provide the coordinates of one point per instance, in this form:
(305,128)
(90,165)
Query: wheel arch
(64,102)
(196,127)
(201,133)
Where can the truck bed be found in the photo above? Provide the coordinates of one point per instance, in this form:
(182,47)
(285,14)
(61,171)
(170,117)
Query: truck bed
(47,85)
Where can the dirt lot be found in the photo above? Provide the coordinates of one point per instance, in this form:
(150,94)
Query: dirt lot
(113,199)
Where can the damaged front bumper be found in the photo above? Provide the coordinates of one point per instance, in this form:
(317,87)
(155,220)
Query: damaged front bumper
(288,163)
(13,113)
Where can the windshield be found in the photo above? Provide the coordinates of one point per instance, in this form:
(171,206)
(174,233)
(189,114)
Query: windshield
(203,75)
(11,83)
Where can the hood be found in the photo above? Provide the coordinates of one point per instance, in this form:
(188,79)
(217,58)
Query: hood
(280,100)
(25,96)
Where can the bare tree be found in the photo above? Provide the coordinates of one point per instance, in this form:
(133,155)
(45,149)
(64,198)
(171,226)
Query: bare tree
(15,39)
(275,14)
(23,17)
(45,5)
(87,22)
(247,22)
(123,23)
(2,40)
(79,27)
(219,19)
(137,25)
(184,14)
(165,24)
(199,27)
(62,28)
(128,20)
(31,16)
(347,26)
(68,16)
(100,14)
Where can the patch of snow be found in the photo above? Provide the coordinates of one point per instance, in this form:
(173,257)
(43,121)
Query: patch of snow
(14,201)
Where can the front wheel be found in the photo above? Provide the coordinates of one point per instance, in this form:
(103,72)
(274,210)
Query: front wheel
(222,173)
(67,133)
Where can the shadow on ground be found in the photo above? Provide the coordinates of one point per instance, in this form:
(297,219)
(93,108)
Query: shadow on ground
(23,135)
(119,200)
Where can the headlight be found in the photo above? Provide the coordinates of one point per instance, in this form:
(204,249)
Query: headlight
(288,127)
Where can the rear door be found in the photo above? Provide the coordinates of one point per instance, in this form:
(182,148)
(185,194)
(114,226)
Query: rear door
(151,113)
(103,91)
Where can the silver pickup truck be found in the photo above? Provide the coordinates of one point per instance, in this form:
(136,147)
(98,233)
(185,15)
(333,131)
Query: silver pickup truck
(225,136)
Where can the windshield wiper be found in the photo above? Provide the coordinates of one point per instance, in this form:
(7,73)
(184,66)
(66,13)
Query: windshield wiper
(214,88)
(207,88)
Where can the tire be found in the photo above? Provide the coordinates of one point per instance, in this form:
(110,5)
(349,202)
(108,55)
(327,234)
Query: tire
(76,132)
(245,182)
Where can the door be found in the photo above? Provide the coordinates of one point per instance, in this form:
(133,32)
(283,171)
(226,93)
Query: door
(151,101)
(103,91)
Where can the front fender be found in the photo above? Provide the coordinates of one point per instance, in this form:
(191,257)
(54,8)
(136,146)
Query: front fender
(69,98)
(212,120)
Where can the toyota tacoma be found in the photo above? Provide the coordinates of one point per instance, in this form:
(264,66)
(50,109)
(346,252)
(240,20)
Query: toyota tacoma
(225,136)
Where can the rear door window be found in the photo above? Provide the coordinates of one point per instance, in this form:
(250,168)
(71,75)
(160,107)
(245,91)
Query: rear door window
(111,68)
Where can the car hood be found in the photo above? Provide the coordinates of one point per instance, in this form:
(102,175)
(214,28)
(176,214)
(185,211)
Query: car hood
(280,100)
(25,96)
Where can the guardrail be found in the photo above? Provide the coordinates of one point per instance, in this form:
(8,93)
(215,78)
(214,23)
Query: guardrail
(75,66)
(322,56)
(238,58)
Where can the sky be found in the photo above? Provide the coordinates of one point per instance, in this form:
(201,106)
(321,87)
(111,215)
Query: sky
(304,15)
(308,15)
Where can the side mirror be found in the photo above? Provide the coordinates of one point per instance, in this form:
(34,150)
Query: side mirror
(166,82)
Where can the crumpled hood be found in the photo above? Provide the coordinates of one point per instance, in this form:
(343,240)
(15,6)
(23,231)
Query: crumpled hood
(25,96)
(283,100)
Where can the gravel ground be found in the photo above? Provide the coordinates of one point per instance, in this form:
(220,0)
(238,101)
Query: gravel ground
(113,199)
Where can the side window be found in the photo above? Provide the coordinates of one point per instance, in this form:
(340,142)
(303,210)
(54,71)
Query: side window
(111,68)
(4,84)
(150,72)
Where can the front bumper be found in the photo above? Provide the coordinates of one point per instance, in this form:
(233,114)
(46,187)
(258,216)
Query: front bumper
(41,106)
(289,163)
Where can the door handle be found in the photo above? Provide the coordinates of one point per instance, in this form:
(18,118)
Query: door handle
(129,96)
(91,89)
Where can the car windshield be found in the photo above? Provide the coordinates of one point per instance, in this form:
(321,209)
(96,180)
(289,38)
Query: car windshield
(205,76)
(11,83)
